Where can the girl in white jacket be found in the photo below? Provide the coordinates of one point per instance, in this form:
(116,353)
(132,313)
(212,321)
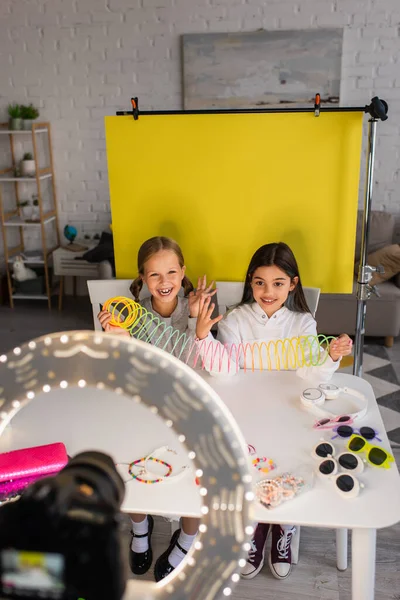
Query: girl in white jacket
(273,307)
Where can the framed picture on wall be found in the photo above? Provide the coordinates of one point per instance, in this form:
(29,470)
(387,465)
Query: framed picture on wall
(261,68)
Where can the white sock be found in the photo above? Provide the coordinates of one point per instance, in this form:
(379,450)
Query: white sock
(140,544)
(185,540)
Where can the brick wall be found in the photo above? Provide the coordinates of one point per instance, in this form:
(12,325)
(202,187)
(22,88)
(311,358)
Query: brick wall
(80,60)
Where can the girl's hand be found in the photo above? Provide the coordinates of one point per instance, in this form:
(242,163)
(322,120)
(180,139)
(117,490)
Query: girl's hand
(202,290)
(340,346)
(204,320)
(105,317)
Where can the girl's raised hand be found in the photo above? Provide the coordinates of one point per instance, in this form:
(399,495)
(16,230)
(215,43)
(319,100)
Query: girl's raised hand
(202,290)
(204,320)
(340,346)
(105,317)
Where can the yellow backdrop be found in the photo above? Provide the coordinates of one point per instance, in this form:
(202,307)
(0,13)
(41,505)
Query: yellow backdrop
(223,185)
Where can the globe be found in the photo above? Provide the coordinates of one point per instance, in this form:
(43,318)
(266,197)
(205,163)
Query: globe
(70,233)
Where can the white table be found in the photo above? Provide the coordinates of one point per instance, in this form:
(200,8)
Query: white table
(268,410)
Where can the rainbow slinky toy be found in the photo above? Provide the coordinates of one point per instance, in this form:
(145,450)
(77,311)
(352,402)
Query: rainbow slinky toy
(288,353)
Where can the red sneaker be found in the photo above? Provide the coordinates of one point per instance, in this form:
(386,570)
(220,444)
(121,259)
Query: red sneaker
(255,559)
(280,559)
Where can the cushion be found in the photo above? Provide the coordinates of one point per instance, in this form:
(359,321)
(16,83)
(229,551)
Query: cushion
(381,231)
(389,258)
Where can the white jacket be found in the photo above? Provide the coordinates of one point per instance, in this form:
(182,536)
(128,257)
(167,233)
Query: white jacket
(247,325)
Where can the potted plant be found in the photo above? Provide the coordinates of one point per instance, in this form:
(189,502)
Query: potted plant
(35,209)
(14,112)
(28,166)
(25,209)
(28,114)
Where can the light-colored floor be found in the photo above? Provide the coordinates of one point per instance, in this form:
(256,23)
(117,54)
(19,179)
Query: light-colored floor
(394,354)
(315,576)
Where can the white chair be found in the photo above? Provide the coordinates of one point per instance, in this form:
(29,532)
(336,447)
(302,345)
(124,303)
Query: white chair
(312,296)
(229,293)
(101,290)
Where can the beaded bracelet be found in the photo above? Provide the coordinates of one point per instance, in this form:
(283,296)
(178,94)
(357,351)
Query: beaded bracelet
(270,465)
(142,464)
(269,493)
(290,481)
(152,456)
(143,460)
(173,476)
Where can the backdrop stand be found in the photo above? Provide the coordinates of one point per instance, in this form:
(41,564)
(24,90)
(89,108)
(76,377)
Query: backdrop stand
(378,111)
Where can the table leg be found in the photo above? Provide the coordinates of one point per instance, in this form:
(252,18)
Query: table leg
(60,292)
(74,278)
(295,545)
(363,564)
(341,549)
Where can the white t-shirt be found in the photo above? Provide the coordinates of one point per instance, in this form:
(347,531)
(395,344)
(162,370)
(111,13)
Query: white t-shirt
(247,338)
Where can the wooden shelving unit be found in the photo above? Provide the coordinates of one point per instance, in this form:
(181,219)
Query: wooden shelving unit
(13,217)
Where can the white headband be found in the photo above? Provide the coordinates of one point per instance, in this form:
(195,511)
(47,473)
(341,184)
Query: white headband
(314,398)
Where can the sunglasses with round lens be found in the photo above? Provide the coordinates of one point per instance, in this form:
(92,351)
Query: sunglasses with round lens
(327,423)
(376,456)
(347,485)
(350,462)
(328,467)
(345,431)
(346,460)
(323,450)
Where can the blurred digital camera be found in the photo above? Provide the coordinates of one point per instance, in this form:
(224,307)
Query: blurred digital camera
(61,539)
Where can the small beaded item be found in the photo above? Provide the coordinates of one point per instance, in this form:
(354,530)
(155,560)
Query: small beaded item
(272,492)
(143,470)
(263,464)
(144,475)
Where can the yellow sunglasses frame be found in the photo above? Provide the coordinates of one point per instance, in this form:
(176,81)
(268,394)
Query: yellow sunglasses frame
(367,448)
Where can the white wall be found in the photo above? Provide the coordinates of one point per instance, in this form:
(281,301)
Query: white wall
(80,60)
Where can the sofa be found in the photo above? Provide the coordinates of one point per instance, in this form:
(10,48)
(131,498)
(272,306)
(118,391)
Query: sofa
(337,312)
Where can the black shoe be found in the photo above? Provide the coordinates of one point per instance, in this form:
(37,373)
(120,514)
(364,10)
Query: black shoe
(162,568)
(140,562)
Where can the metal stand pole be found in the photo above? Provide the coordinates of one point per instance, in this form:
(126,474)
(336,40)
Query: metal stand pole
(364,271)
(378,110)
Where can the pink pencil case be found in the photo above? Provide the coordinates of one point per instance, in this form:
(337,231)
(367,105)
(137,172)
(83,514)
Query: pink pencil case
(21,468)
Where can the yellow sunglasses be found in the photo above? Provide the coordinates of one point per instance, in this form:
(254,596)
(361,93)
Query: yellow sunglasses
(376,456)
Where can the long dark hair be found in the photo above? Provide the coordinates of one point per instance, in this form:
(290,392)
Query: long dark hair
(279,255)
(146,251)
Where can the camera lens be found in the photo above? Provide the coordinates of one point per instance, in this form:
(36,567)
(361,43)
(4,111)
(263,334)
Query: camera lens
(98,470)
